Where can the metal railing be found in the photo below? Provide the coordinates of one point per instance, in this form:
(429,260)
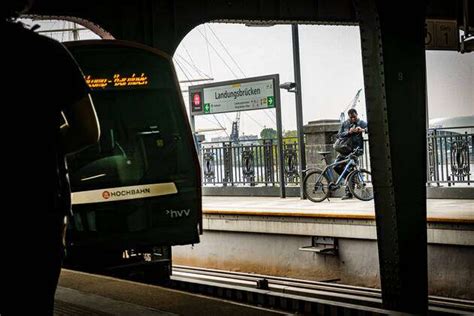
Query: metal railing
(450,156)
(248,163)
(256,163)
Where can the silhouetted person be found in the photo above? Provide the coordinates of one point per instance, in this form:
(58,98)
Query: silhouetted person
(353,127)
(41,82)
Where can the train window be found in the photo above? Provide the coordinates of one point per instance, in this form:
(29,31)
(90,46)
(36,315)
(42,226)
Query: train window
(140,185)
(142,129)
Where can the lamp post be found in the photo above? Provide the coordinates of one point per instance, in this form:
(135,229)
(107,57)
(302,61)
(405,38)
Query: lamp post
(295,87)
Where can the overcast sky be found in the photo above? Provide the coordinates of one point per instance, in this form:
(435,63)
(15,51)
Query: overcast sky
(331,69)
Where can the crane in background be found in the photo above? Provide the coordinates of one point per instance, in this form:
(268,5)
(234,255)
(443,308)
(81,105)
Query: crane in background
(234,135)
(351,105)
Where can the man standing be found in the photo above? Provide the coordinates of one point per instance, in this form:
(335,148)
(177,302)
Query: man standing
(42,83)
(353,128)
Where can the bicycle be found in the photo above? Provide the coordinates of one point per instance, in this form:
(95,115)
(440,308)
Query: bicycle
(317,184)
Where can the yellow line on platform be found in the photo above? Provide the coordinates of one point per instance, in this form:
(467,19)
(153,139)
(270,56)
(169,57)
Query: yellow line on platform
(287,214)
(451,220)
(327,215)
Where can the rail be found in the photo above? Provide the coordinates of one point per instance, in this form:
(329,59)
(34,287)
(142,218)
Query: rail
(297,295)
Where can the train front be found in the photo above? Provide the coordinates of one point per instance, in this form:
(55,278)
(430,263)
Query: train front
(138,191)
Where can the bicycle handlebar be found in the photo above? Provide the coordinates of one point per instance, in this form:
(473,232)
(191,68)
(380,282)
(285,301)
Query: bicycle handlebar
(354,152)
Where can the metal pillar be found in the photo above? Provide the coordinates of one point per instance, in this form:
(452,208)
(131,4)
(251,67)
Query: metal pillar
(299,106)
(281,159)
(395,87)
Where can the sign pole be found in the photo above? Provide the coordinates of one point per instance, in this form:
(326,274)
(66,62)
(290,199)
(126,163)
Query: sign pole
(299,107)
(281,158)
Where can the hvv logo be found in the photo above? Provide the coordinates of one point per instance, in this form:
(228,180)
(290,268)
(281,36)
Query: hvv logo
(178,213)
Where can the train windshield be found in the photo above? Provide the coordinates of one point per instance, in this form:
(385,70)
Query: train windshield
(140,185)
(142,130)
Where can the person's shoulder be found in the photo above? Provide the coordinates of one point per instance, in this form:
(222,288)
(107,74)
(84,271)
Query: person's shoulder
(53,49)
(22,33)
(50,43)
(362,123)
(16,32)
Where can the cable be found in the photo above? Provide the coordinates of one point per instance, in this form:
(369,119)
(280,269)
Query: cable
(268,115)
(179,66)
(208,54)
(193,63)
(198,71)
(225,114)
(256,122)
(184,69)
(230,69)
(218,122)
(220,125)
(208,119)
(218,55)
(225,49)
(187,52)
(193,67)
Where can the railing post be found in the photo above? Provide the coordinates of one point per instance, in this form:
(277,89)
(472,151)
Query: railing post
(291,163)
(248,165)
(208,165)
(435,152)
(268,161)
(228,177)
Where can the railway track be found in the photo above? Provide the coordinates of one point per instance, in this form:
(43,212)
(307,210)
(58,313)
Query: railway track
(296,295)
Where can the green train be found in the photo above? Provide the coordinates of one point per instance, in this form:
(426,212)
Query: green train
(138,191)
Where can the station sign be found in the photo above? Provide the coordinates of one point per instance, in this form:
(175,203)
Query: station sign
(237,95)
(441,35)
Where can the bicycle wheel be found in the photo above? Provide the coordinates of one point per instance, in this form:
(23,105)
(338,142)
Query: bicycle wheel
(315,186)
(360,184)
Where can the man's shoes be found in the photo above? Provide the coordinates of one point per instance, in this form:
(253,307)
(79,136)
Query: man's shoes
(347,197)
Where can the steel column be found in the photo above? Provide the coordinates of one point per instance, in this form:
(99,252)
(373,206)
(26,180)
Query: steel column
(395,87)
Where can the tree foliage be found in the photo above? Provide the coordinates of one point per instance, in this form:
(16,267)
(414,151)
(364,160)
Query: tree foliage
(268,133)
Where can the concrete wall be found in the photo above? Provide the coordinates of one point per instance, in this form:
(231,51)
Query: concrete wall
(451,268)
(278,255)
(320,135)
(451,271)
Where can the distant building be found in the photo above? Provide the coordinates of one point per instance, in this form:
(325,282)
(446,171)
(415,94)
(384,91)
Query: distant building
(248,139)
(220,139)
(446,123)
(243,139)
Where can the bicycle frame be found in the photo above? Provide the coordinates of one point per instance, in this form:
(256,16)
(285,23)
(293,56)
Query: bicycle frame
(330,168)
(318,184)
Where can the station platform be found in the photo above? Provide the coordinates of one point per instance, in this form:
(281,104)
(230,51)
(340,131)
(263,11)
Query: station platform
(330,240)
(81,293)
(448,211)
(449,222)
